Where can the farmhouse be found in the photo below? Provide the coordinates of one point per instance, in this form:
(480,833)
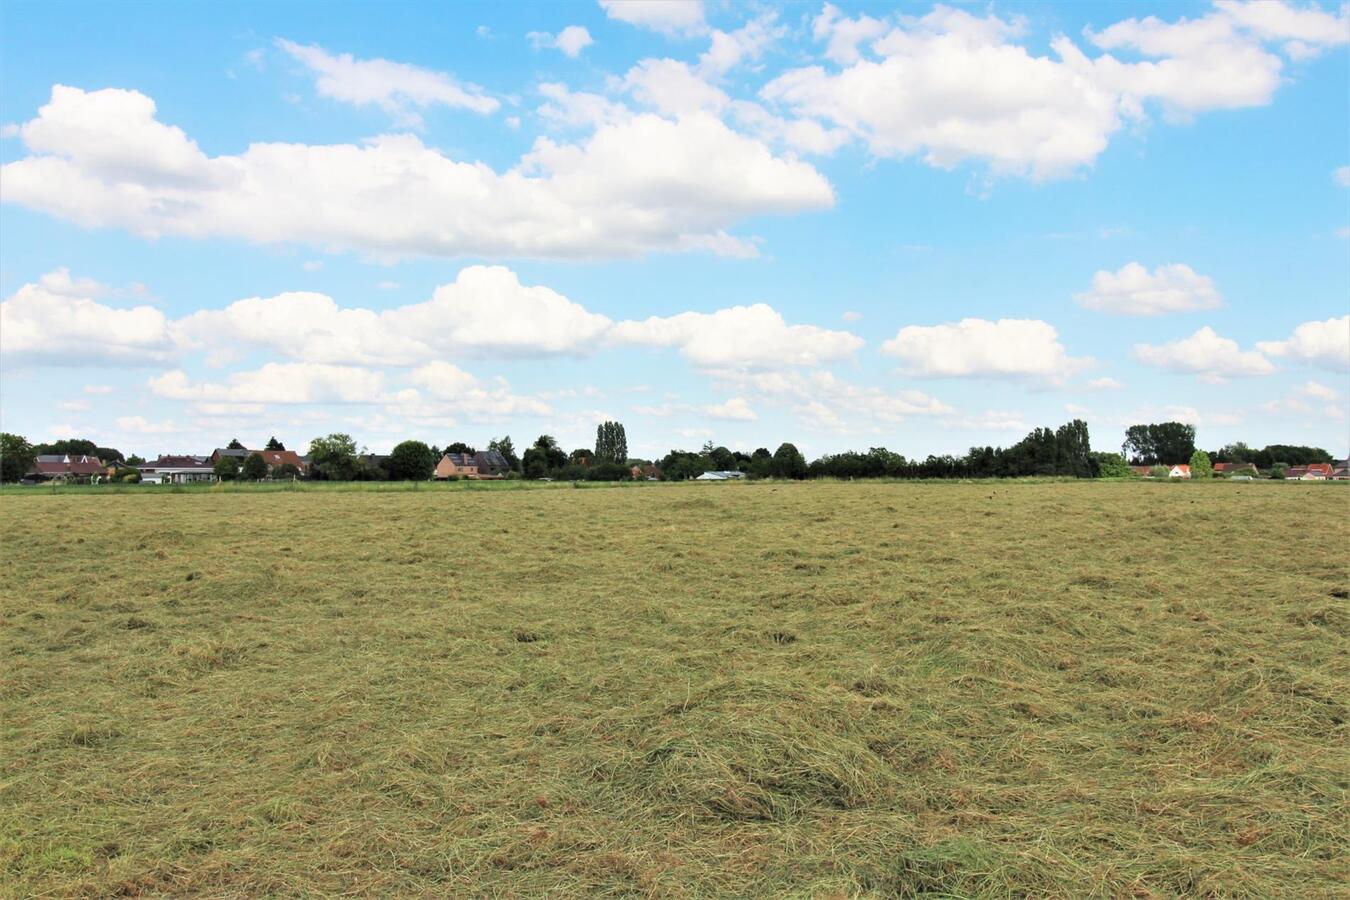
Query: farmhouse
(457,465)
(65,466)
(178,470)
(1180,470)
(275,458)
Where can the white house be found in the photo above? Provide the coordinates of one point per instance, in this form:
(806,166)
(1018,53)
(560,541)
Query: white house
(1181,470)
(720,476)
(177,470)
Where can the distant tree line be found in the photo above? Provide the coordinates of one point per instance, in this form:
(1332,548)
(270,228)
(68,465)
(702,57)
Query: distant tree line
(1062,451)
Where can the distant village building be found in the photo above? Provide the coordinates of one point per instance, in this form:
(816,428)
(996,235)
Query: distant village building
(178,470)
(67,467)
(721,476)
(483,465)
(491,464)
(229,452)
(456,465)
(275,458)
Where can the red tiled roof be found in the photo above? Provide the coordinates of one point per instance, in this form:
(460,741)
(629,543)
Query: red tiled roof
(275,458)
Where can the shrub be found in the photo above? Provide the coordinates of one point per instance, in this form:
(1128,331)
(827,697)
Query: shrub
(1200,465)
(1112,465)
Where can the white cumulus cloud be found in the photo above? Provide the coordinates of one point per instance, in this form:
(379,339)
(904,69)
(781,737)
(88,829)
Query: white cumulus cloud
(1018,348)
(1134,291)
(571,40)
(55,322)
(643,184)
(741,337)
(669,17)
(1325,344)
(1207,355)
(952,87)
(736,409)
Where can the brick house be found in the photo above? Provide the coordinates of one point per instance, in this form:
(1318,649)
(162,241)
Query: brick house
(457,465)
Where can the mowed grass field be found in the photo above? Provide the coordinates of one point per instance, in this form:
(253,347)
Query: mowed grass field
(999,689)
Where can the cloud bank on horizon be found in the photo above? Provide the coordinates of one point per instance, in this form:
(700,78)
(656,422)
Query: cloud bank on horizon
(842,226)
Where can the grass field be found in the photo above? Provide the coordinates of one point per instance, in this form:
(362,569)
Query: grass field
(996,689)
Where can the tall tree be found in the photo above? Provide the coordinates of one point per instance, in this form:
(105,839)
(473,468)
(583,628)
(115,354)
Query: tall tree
(1162,443)
(226,468)
(274,444)
(459,447)
(333,458)
(788,462)
(235,444)
(411,461)
(73,446)
(16,457)
(611,443)
(254,467)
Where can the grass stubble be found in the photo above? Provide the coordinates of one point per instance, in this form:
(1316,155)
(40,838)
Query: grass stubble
(990,689)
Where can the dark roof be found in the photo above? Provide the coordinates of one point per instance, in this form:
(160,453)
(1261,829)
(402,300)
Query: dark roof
(462,460)
(53,464)
(491,459)
(226,451)
(179,462)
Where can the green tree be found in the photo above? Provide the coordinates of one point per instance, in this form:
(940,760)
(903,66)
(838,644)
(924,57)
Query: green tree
(134,460)
(547,453)
(788,462)
(16,457)
(254,467)
(459,447)
(1158,472)
(611,443)
(1164,443)
(234,444)
(333,458)
(1200,465)
(226,468)
(274,444)
(285,471)
(1112,465)
(581,457)
(411,461)
(75,446)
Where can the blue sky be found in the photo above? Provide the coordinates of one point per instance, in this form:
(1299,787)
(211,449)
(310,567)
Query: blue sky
(924,227)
